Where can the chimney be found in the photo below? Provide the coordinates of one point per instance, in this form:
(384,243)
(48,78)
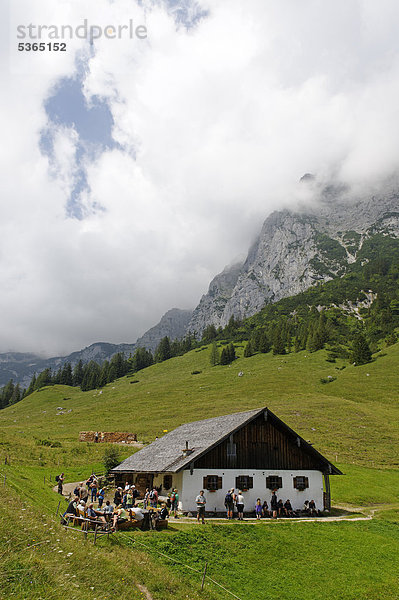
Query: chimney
(186,451)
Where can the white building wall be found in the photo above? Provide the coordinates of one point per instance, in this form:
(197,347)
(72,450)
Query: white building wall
(191,485)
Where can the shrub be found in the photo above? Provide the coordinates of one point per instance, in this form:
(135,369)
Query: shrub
(111,458)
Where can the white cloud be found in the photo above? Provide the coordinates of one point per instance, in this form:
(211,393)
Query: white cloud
(217,125)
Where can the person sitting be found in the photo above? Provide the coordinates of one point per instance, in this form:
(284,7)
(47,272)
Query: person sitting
(81,509)
(312,508)
(72,506)
(136,514)
(93,515)
(108,510)
(164,513)
(288,509)
(305,508)
(280,508)
(265,509)
(120,516)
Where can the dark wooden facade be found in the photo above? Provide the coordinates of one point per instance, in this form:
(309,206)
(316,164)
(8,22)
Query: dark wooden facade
(263,443)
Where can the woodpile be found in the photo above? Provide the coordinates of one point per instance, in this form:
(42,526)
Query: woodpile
(108,436)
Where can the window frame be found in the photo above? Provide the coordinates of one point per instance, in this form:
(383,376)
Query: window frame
(275,486)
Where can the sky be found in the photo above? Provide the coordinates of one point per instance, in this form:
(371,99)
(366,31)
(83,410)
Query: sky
(134,169)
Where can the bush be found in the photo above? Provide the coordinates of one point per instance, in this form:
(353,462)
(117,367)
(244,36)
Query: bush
(111,458)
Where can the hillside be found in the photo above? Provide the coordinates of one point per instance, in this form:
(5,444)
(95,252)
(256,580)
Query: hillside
(354,421)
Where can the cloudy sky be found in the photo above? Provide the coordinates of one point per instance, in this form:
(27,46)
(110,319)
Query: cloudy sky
(134,169)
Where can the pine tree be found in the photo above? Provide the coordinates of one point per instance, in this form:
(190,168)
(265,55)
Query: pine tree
(361,353)
(32,385)
(78,373)
(215,357)
(278,341)
(163,351)
(264,344)
(66,375)
(224,357)
(231,352)
(248,350)
(209,334)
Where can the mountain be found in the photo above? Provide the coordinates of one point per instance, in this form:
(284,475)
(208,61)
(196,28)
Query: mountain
(21,366)
(173,324)
(295,250)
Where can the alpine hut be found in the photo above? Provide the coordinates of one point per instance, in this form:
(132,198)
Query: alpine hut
(253,451)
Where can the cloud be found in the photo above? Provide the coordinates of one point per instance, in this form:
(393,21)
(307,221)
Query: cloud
(198,133)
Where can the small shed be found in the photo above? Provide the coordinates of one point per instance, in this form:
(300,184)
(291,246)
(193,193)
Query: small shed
(252,451)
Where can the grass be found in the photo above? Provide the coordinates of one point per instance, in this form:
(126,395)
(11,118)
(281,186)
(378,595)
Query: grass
(354,421)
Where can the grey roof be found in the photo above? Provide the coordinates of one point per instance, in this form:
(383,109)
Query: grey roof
(166,454)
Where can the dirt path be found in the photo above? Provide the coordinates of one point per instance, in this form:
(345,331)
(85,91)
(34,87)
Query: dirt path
(144,591)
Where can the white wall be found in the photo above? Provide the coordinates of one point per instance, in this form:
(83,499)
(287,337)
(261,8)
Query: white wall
(192,484)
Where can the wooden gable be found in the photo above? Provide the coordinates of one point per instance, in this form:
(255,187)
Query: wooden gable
(261,444)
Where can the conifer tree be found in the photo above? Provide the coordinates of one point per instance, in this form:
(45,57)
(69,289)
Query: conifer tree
(215,357)
(248,350)
(264,343)
(163,351)
(361,353)
(78,373)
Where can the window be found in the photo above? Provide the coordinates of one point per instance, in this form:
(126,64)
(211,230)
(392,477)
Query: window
(167,482)
(301,482)
(212,482)
(273,482)
(244,482)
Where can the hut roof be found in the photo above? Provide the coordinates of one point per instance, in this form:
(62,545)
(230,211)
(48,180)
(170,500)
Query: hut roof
(167,453)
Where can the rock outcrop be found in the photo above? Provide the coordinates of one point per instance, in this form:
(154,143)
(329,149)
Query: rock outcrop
(295,250)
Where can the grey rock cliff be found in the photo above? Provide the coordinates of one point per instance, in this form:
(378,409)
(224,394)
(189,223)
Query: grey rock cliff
(173,324)
(294,251)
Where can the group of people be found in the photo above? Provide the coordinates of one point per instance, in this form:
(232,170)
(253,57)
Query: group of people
(278,508)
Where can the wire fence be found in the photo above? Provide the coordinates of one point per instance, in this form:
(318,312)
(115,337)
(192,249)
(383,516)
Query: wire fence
(171,558)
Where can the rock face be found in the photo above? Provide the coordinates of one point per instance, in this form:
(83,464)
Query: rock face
(294,251)
(173,324)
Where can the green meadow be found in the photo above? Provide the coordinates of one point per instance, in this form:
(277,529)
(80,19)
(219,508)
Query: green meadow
(353,420)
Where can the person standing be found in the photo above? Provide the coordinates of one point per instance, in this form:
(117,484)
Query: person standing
(60,483)
(201,501)
(240,506)
(274,505)
(100,497)
(258,509)
(93,489)
(229,503)
(174,499)
(96,437)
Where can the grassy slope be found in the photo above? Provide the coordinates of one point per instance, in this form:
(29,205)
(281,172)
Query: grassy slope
(353,421)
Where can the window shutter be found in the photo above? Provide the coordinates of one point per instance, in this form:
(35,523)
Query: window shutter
(205,483)
(280,482)
(295,486)
(219,483)
(237,483)
(250,482)
(307,482)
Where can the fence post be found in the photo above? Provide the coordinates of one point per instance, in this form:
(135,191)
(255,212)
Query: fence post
(203,577)
(58,508)
(44,479)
